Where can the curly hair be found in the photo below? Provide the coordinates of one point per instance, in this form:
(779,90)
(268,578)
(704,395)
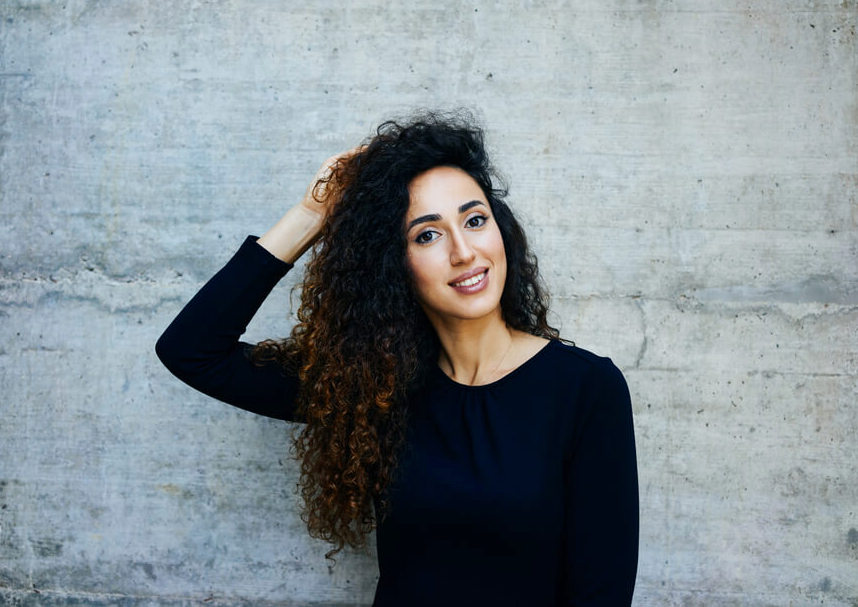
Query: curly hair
(362,342)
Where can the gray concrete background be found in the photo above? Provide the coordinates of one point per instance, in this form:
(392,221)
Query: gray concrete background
(688,174)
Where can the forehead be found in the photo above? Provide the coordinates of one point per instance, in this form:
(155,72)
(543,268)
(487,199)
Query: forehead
(440,189)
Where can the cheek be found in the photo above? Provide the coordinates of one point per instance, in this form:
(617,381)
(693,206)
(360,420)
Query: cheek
(418,274)
(497,248)
(499,254)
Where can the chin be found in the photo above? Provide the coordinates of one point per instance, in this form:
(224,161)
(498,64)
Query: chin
(464,313)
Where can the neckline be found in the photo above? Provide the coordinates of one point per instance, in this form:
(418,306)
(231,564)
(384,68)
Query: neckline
(452,382)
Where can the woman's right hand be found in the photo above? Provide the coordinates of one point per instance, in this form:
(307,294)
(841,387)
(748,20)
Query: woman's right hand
(323,192)
(299,228)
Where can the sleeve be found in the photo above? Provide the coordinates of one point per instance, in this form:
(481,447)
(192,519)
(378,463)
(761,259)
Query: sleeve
(602,519)
(202,348)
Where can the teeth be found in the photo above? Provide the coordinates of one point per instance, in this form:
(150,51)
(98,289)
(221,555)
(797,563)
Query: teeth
(470,281)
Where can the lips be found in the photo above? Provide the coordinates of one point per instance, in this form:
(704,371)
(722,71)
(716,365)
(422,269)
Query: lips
(471,282)
(467,275)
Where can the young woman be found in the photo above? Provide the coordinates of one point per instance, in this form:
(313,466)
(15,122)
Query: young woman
(495,462)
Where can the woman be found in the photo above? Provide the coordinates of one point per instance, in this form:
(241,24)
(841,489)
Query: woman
(495,462)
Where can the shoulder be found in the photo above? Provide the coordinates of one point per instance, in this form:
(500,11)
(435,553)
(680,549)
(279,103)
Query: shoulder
(581,366)
(591,385)
(595,399)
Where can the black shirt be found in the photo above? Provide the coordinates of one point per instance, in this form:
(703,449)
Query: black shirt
(518,492)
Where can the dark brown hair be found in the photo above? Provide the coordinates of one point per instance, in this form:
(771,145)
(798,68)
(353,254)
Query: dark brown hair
(362,342)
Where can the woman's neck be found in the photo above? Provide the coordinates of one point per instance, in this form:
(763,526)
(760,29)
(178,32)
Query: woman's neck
(475,352)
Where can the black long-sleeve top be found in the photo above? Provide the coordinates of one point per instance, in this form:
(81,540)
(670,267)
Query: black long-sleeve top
(519,492)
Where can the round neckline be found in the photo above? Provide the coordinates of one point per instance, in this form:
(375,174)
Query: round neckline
(502,378)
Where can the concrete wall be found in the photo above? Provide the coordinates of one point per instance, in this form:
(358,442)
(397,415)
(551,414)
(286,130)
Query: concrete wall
(688,173)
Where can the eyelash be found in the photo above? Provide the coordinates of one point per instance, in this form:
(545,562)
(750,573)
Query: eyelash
(481,218)
(419,238)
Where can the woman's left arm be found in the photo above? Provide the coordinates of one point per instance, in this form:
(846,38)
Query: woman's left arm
(601,495)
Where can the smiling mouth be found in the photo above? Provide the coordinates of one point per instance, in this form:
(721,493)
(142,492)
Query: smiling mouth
(469,282)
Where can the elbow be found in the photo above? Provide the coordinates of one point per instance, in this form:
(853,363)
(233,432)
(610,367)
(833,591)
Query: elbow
(162,350)
(167,351)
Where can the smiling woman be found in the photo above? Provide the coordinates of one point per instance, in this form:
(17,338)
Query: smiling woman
(495,462)
(453,246)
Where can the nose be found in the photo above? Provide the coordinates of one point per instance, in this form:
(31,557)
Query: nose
(461,251)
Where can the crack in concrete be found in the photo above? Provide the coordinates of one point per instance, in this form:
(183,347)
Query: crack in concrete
(645,340)
(107,598)
(52,297)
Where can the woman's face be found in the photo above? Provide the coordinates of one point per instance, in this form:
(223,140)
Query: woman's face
(455,249)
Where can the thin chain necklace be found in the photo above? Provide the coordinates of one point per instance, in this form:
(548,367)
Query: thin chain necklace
(491,376)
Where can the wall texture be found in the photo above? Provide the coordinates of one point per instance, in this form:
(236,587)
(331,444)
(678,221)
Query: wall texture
(688,172)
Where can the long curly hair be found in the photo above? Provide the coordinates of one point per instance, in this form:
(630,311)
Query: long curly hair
(362,342)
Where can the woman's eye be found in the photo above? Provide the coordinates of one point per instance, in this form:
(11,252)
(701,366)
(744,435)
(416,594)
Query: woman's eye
(424,237)
(476,221)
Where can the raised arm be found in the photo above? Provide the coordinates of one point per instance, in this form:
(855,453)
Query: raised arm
(299,228)
(201,346)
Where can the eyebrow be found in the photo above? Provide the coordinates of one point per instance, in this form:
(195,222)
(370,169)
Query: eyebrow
(436,217)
